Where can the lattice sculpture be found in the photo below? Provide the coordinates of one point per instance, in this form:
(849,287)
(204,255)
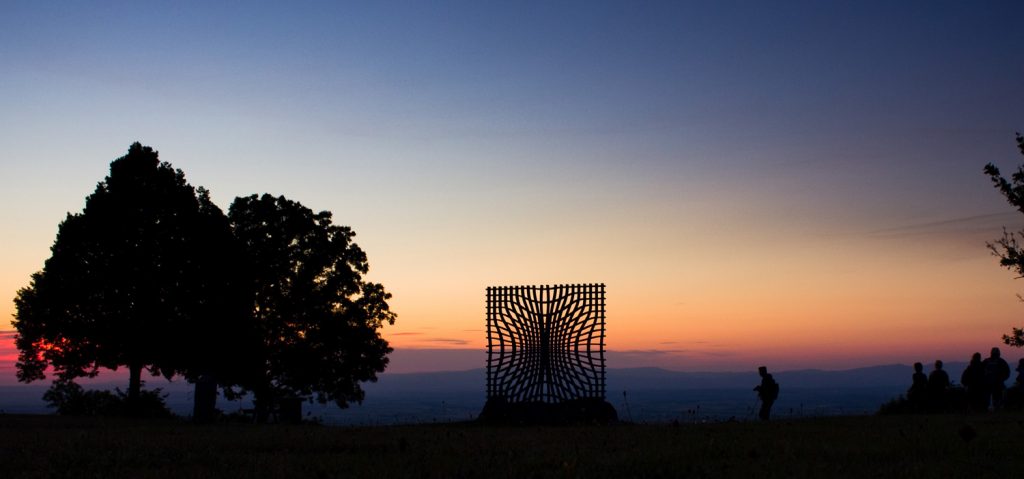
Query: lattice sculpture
(545,343)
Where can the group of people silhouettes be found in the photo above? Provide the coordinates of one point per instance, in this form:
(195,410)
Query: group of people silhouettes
(983,387)
(983,381)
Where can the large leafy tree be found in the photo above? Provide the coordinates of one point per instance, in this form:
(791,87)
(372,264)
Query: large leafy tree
(1009,248)
(144,278)
(318,319)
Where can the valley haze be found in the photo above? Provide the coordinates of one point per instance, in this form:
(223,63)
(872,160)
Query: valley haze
(639,394)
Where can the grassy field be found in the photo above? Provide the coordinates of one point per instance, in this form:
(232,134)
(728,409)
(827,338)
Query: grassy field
(905,446)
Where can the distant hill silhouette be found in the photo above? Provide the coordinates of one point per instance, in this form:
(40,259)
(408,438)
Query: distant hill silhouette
(654,394)
(886,376)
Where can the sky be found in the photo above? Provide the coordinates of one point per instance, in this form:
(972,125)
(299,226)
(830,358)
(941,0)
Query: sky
(797,184)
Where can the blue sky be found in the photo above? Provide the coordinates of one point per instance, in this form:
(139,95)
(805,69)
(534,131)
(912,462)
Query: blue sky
(730,169)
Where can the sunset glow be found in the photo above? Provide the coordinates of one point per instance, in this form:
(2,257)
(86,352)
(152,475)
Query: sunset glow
(797,185)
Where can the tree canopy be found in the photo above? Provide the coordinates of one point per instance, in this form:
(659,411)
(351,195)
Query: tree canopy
(1009,249)
(143,277)
(151,275)
(319,320)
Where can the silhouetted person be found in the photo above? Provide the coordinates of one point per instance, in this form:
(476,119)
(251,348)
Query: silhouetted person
(768,392)
(938,383)
(973,380)
(1015,393)
(996,373)
(938,380)
(918,387)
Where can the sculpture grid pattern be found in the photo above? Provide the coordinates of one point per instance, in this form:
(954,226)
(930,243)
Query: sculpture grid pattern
(545,343)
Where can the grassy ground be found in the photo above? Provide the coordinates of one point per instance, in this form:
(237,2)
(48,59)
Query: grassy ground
(905,446)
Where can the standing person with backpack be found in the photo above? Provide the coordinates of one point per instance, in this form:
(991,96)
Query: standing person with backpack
(768,392)
(996,372)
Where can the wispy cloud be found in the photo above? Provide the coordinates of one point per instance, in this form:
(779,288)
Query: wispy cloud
(701,342)
(652,352)
(664,353)
(988,224)
(459,342)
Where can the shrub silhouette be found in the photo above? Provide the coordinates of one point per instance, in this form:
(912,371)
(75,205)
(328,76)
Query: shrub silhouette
(952,400)
(70,399)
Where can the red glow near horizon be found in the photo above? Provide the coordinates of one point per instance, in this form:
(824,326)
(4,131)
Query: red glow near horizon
(8,352)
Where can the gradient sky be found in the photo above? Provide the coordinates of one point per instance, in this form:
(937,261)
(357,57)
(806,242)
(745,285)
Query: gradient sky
(791,183)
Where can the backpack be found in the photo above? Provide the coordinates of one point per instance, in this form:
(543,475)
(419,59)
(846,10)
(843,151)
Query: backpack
(770,391)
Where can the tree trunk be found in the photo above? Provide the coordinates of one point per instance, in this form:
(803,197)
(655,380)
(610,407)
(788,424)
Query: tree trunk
(134,383)
(204,405)
(262,406)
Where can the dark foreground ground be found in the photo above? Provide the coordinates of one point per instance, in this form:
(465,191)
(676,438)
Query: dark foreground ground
(866,446)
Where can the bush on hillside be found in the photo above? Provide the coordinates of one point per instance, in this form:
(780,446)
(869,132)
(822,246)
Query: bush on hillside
(70,399)
(954,400)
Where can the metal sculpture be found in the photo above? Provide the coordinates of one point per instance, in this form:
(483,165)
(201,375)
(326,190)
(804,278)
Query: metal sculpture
(545,344)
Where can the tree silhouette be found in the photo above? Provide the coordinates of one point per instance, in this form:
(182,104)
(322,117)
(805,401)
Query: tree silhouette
(318,319)
(1009,248)
(143,277)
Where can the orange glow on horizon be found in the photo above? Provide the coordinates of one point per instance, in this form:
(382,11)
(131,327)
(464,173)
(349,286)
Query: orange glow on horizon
(698,289)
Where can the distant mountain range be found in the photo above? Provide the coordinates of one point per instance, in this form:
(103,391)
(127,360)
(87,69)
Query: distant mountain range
(646,394)
(887,376)
(641,394)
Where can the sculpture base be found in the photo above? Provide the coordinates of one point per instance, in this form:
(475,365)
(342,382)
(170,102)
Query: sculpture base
(575,411)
